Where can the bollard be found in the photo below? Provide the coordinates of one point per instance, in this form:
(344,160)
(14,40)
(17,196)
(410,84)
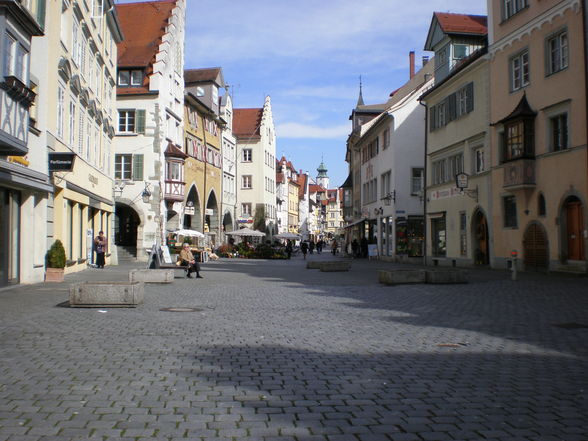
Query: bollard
(513,255)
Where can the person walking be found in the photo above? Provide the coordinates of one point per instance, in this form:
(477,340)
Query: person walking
(100,245)
(364,247)
(289,248)
(319,246)
(311,246)
(187,259)
(304,249)
(334,246)
(355,248)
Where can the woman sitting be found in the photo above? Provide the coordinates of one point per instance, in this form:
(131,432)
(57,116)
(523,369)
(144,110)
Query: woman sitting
(188,260)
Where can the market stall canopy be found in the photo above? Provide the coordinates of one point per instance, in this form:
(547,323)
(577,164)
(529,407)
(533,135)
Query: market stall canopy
(188,233)
(246,232)
(292,236)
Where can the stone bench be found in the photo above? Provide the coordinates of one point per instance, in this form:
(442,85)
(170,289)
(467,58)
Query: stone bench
(313,264)
(106,294)
(401,276)
(152,275)
(341,265)
(442,276)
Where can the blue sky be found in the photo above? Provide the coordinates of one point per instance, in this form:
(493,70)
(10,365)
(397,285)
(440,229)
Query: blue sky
(308,57)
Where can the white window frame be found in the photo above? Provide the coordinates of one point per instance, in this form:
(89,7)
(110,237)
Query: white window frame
(247,155)
(247,182)
(60,123)
(126,126)
(125,166)
(557,52)
(520,74)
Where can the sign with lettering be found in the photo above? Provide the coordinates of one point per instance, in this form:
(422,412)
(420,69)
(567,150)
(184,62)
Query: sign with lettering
(61,161)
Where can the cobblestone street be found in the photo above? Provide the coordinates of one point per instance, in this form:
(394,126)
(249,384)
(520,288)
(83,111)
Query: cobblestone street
(278,352)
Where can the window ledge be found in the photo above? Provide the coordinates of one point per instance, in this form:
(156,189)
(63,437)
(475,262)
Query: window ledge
(126,134)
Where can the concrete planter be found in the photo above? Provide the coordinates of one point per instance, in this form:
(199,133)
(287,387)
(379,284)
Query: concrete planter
(54,275)
(313,265)
(401,276)
(335,266)
(151,275)
(106,294)
(446,276)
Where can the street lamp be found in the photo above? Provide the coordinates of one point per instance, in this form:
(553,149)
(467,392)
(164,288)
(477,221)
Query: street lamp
(146,194)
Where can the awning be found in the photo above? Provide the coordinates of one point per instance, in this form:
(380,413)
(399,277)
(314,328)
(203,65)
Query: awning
(356,222)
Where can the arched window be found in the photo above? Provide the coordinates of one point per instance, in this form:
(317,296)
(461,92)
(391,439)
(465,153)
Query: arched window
(541,209)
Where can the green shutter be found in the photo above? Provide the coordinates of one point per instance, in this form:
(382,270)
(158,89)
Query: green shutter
(41,14)
(432,119)
(137,167)
(140,121)
(452,107)
(469,97)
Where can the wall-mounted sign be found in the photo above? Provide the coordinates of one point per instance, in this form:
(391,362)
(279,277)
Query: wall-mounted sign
(189,211)
(209,212)
(461,180)
(61,161)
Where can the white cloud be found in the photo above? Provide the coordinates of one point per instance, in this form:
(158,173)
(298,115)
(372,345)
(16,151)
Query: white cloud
(298,130)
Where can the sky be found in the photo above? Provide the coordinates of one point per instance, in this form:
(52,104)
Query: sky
(308,56)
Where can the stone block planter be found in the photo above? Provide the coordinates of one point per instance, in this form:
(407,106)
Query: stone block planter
(54,275)
(401,276)
(106,294)
(341,265)
(313,265)
(446,276)
(151,275)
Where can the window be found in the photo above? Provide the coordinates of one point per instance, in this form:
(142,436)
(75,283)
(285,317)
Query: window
(15,59)
(128,167)
(386,140)
(541,205)
(452,107)
(60,110)
(416,181)
(519,71)
(174,171)
(514,140)
(558,126)
(479,162)
(246,181)
(557,55)
(511,7)
(131,78)
(246,209)
(460,51)
(72,122)
(385,184)
(247,155)
(509,205)
(438,236)
(131,121)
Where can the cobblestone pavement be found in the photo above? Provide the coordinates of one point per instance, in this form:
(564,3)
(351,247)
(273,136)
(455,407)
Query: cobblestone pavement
(277,352)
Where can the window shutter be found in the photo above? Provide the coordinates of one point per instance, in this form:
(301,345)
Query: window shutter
(452,107)
(470,97)
(137,167)
(432,120)
(140,120)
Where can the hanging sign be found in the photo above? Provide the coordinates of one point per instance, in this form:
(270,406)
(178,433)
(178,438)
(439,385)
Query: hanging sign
(61,161)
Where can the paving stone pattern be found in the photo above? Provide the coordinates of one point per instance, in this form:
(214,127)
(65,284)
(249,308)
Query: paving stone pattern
(276,352)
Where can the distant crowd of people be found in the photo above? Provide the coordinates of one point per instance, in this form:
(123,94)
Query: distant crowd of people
(355,248)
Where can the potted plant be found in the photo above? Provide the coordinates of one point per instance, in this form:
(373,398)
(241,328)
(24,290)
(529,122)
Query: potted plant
(55,260)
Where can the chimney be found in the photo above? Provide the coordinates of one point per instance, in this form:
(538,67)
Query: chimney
(425,60)
(411,61)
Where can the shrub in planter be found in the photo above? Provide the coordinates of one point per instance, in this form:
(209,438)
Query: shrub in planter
(55,262)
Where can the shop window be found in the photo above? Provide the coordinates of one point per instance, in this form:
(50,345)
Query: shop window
(509,205)
(439,236)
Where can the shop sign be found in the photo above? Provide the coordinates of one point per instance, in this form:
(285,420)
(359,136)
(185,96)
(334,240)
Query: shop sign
(245,221)
(209,212)
(447,193)
(61,161)
(189,211)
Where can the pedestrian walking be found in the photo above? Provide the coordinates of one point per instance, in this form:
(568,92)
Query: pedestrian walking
(311,246)
(187,259)
(355,248)
(304,249)
(100,246)
(289,248)
(364,247)
(334,246)
(319,246)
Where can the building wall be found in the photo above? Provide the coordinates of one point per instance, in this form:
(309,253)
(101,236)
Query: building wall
(547,94)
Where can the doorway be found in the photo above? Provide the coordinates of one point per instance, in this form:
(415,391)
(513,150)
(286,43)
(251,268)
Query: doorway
(574,238)
(125,226)
(9,236)
(481,243)
(535,247)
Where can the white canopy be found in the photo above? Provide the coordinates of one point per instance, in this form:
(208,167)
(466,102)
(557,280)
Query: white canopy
(287,235)
(188,233)
(246,232)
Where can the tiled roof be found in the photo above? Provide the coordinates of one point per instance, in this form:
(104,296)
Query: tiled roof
(462,23)
(246,122)
(143,25)
(201,75)
(302,181)
(315,188)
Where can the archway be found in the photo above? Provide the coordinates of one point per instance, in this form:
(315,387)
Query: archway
(535,248)
(126,224)
(228,222)
(192,213)
(480,236)
(572,226)
(212,219)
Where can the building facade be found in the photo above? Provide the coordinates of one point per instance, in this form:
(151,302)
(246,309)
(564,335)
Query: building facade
(458,219)
(229,152)
(25,188)
(538,134)
(150,103)
(256,166)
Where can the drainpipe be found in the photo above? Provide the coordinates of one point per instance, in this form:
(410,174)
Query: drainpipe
(425,225)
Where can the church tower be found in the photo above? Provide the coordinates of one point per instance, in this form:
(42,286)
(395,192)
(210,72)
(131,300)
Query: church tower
(322,179)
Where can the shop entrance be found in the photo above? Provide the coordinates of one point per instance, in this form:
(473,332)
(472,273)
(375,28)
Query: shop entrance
(125,226)
(535,248)
(9,236)
(481,247)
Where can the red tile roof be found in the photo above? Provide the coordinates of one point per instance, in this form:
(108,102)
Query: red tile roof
(246,123)
(143,25)
(315,188)
(201,75)
(462,23)
(302,182)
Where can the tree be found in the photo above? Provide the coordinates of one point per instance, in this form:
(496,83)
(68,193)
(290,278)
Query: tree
(259,219)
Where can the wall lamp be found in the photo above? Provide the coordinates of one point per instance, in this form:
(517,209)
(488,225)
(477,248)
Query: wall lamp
(146,194)
(389,197)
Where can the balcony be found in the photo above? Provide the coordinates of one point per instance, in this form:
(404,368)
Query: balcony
(519,174)
(174,191)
